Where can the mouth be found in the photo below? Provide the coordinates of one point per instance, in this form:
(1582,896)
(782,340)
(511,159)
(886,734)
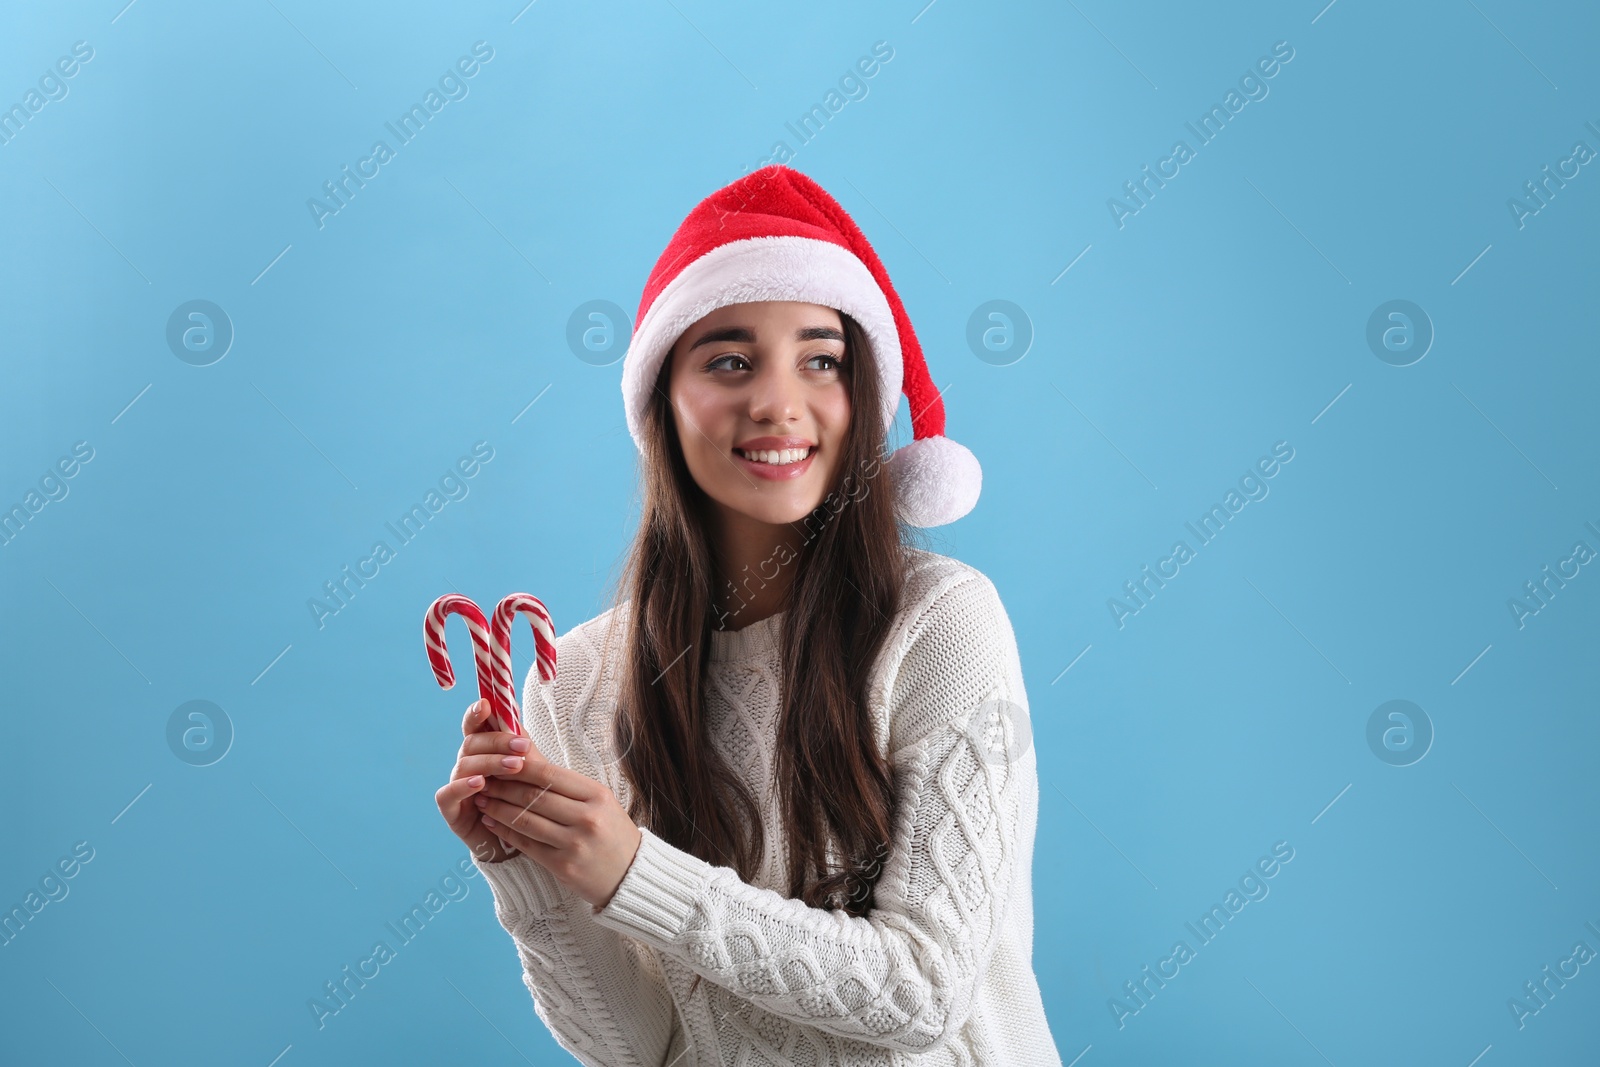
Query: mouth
(777,464)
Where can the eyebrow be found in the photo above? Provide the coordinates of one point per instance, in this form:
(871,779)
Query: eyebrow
(747,335)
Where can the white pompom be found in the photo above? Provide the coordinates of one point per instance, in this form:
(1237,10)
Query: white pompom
(936,481)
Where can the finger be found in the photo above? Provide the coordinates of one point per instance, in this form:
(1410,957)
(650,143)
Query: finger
(500,817)
(477,715)
(515,843)
(453,800)
(509,840)
(501,741)
(487,765)
(563,780)
(459,789)
(552,805)
(510,843)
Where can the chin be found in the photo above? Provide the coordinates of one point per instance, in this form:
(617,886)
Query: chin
(777,512)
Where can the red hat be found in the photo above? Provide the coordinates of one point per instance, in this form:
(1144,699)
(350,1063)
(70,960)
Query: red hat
(775,234)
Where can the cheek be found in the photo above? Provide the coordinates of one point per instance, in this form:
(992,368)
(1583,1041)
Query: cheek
(696,414)
(834,414)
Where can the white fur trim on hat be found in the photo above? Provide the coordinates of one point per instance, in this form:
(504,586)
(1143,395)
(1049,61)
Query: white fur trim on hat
(761,268)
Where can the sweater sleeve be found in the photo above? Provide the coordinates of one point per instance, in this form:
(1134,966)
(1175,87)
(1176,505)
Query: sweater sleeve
(903,977)
(601,994)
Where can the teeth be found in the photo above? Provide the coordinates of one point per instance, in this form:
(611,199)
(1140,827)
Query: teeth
(779,458)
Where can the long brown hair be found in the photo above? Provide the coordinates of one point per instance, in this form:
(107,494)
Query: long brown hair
(835,788)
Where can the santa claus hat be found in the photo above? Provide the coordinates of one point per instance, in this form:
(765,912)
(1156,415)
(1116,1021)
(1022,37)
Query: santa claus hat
(775,234)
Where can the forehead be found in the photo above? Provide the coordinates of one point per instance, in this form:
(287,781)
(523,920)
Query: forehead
(764,318)
(759,322)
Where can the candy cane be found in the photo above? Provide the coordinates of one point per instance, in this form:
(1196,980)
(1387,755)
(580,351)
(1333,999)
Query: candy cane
(544,639)
(482,649)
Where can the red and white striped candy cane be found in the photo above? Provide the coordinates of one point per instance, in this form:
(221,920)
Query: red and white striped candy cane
(544,640)
(482,650)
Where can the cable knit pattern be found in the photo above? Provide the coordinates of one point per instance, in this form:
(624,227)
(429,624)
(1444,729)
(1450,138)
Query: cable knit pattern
(939,972)
(602,996)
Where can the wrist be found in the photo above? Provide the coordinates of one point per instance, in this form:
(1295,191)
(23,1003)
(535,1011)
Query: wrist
(493,852)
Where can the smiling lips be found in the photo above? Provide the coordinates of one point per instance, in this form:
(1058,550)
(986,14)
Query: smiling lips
(776,458)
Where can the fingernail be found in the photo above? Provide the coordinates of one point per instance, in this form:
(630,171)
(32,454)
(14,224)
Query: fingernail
(482,802)
(512,761)
(488,821)
(475,781)
(520,744)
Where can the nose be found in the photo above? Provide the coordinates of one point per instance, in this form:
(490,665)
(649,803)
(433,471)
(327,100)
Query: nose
(775,394)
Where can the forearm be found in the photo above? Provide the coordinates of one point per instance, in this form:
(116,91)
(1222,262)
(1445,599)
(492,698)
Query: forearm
(901,978)
(600,997)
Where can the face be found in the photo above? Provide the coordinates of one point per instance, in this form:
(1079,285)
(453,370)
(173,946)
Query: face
(761,401)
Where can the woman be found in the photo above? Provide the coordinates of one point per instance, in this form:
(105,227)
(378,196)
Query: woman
(778,805)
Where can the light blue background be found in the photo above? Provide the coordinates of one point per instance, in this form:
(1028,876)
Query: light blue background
(1228,314)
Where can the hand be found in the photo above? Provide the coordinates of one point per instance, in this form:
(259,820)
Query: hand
(479,757)
(568,823)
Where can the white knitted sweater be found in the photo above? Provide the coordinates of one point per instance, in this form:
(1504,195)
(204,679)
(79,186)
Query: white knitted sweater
(939,972)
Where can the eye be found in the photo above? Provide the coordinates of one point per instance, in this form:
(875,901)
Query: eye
(715,364)
(830,357)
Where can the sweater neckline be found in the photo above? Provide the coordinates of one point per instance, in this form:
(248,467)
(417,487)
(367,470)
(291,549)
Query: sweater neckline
(748,641)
